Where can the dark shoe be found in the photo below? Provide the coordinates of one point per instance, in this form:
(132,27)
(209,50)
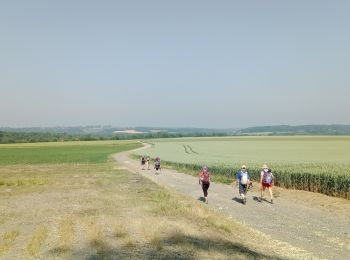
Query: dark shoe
(271,201)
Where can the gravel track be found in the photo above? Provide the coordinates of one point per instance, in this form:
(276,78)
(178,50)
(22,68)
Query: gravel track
(315,223)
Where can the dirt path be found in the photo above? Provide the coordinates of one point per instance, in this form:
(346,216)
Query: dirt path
(312,222)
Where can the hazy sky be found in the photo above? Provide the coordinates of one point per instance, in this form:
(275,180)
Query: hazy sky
(174,63)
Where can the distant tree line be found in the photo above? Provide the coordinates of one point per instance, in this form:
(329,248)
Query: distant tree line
(39,136)
(22,137)
(35,137)
(297,130)
(166,135)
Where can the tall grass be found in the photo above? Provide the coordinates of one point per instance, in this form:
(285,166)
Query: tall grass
(337,185)
(314,163)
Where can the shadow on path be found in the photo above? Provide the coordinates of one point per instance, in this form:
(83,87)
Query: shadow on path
(175,246)
(202,199)
(239,200)
(257,199)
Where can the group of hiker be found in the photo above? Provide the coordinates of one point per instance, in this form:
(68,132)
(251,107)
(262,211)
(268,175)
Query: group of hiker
(145,163)
(243,181)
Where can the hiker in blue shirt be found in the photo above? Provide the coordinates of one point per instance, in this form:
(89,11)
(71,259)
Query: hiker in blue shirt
(243,180)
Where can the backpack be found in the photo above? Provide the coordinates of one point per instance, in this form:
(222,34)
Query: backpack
(244,178)
(267,177)
(205,177)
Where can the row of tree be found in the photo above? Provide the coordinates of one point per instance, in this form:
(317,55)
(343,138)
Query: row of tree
(24,137)
(297,130)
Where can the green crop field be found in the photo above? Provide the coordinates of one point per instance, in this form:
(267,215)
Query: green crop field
(65,152)
(313,163)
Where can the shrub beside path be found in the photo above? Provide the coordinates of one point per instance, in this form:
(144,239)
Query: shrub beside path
(313,222)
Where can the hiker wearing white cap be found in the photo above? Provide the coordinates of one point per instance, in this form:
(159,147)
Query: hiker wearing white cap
(266,181)
(243,180)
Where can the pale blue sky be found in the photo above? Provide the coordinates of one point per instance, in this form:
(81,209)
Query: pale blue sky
(174,63)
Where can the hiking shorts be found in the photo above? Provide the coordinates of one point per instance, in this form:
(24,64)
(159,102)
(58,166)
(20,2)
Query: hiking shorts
(205,187)
(157,168)
(243,188)
(266,185)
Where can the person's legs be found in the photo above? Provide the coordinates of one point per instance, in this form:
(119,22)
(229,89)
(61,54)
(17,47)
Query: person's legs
(262,189)
(271,194)
(242,192)
(205,187)
(206,192)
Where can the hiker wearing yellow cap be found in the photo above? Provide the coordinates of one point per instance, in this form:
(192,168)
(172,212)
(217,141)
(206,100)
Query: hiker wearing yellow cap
(266,181)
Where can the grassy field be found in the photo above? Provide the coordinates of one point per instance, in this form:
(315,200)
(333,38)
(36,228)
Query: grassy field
(316,163)
(83,206)
(68,152)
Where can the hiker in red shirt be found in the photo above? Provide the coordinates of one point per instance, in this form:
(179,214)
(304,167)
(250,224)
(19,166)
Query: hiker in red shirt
(204,180)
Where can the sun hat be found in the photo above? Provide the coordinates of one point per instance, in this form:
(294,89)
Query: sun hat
(243,166)
(264,167)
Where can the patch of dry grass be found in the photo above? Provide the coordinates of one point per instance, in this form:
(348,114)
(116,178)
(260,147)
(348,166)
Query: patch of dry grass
(96,238)
(22,182)
(8,239)
(119,231)
(102,212)
(38,238)
(66,234)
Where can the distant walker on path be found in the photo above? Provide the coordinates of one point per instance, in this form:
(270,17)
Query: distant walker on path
(157,165)
(143,162)
(147,162)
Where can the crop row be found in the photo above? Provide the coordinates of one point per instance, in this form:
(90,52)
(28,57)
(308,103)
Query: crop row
(325,182)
